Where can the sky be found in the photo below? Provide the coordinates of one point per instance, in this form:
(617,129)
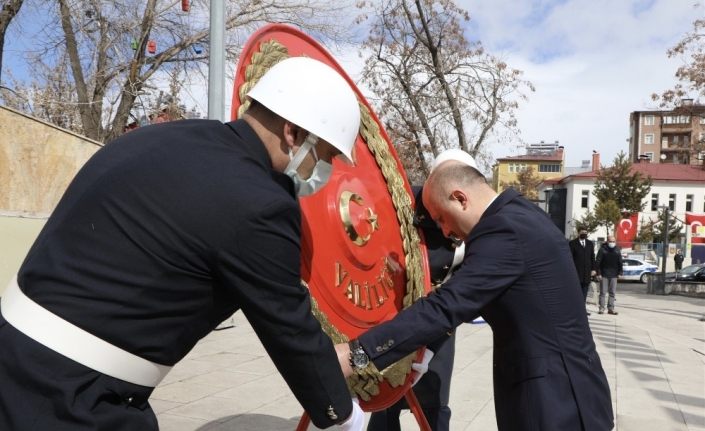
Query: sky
(592,62)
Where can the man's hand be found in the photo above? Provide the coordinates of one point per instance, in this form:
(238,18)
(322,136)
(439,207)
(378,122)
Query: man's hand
(421,367)
(343,351)
(592,273)
(356,420)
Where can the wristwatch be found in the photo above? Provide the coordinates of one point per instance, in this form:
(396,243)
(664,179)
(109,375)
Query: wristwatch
(358,358)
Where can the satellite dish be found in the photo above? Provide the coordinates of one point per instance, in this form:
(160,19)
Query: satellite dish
(663,157)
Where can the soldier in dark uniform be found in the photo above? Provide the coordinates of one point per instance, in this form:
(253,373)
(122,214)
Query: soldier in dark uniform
(433,389)
(165,232)
(444,256)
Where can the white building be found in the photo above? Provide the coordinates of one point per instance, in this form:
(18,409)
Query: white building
(680,187)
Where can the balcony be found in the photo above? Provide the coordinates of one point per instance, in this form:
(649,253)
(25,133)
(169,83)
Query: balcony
(675,148)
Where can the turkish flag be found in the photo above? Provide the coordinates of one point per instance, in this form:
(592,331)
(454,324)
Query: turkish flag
(697,224)
(625,231)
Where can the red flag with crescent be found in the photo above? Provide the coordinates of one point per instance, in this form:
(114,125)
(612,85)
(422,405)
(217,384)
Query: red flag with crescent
(362,259)
(626,230)
(697,227)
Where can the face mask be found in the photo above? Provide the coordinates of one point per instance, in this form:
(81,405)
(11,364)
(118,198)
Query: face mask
(611,244)
(583,235)
(319,176)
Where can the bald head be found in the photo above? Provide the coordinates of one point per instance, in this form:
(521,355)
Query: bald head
(455,196)
(454,173)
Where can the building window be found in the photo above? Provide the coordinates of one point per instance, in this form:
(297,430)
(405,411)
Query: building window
(584,198)
(689,203)
(649,155)
(664,141)
(517,167)
(672,202)
(649,138)
(549,167)
(654,201)
(676,119)
(649,120)
(702,120)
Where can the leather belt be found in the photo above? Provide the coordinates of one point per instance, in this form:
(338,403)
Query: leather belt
(69,340)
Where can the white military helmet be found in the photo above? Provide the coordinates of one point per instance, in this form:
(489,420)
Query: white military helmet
(313,96)
(454,154)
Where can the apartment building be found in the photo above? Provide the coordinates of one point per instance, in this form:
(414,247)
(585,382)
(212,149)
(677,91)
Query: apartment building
(545,159)
(676,136)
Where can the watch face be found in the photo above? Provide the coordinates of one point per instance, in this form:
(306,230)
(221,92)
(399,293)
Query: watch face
(360,359)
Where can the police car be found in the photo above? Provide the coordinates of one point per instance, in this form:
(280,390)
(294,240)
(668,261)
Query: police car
(636,270)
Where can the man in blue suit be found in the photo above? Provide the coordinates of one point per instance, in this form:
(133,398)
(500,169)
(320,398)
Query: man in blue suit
(518,275)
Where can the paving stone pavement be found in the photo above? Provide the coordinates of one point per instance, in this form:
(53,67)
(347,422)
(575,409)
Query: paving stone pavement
(653,353)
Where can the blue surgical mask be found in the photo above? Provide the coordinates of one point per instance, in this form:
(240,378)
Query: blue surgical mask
(611,244)
(319,175)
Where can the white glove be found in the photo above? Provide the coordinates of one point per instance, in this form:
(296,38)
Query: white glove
(356,421)
(421,367)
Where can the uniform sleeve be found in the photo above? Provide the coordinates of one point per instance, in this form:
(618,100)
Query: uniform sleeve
(262,271)
(493,262)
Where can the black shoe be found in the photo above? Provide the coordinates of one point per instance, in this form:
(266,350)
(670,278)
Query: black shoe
(588,313)
(612,312)
(601,312)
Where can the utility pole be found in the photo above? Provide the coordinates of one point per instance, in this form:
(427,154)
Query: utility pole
(665,242)
(216,61)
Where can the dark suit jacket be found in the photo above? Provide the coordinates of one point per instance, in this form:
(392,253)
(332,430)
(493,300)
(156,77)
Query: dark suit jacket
(519,276)
(167,231)
(583,258)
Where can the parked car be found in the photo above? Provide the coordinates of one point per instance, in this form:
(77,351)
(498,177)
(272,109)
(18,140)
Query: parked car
(694,272)
(636,270)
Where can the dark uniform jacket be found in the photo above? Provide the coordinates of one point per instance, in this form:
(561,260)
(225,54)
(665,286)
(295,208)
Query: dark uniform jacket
(433,389)
(164,233)
(609,261)
(584,259)
(519,276)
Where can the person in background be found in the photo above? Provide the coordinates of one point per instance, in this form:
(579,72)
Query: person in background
(162,234)
(517,273)
(678,260)
(609,267)
(583,252)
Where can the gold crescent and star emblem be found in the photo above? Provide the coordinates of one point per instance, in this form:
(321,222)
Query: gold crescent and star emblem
(346,198)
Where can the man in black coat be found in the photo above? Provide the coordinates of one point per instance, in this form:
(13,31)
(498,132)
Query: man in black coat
(162,234)
(609,267)
(583,252)
(520,278)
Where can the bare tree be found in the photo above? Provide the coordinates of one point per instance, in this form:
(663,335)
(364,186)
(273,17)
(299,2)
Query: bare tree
(8,10)
(436,89)
(109,44)
(690,75)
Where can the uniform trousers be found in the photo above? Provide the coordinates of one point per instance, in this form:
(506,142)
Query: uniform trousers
(608,285)
(41,390)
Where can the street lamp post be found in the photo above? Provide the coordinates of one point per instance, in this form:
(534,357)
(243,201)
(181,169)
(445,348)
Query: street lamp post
(665,242)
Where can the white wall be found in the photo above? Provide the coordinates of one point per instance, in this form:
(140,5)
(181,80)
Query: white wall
(574,212)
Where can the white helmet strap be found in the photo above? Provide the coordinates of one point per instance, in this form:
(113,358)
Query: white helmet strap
(308,145)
